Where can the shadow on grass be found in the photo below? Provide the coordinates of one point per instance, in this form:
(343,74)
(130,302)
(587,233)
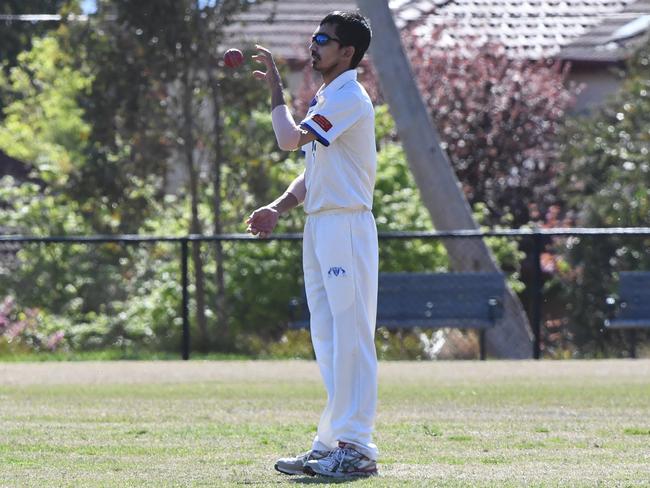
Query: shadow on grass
(303,480)
(322,480)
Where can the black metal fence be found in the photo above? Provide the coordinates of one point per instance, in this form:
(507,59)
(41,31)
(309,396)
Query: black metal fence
(537,242)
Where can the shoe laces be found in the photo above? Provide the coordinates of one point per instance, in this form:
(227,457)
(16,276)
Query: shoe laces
(335,459)
(306,456)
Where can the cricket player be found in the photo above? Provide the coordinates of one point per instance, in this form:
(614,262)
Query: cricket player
(340,252)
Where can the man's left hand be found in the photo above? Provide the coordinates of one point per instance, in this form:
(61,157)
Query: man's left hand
(262,221)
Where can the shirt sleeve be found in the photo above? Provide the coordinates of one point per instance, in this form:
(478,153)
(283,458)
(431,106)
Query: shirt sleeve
(339,112)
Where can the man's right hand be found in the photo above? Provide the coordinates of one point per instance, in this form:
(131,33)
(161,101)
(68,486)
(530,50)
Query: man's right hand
(262,221)
(271,75)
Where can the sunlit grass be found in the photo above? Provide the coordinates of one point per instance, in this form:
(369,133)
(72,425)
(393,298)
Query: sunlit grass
(223,423)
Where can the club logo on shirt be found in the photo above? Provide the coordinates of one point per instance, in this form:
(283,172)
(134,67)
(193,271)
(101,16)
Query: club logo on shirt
(322,122)
(336,271)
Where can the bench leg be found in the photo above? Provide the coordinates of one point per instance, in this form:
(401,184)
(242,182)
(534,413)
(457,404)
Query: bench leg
(481,343)
(631,335)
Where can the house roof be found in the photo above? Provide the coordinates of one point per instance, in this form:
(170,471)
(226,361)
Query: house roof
(578,30)
(285,26)
(615,38)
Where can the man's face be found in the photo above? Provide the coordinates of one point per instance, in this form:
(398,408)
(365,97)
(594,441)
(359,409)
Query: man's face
(329,56)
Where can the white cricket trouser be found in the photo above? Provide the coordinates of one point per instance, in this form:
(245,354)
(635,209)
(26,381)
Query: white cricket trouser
(340,261)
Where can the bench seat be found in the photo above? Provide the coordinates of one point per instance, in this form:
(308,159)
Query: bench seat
(630,309)
(469,300)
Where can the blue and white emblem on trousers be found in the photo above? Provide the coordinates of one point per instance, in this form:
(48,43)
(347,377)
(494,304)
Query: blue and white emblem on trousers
(336,271)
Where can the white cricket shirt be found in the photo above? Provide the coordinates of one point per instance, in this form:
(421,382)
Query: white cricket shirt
(340,168)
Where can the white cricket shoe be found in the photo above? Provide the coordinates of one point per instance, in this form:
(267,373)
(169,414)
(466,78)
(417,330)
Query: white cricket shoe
(343,462)
(296,465)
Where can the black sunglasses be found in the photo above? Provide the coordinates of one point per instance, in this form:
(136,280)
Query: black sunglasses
(321,39)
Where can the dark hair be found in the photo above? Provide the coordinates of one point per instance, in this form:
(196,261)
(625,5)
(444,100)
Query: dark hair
(352,29)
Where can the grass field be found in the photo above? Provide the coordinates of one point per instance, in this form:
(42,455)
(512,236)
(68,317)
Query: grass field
(223,423)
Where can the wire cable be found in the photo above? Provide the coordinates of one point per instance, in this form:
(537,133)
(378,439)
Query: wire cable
(41,18)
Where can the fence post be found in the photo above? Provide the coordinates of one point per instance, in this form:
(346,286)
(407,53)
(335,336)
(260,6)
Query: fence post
(185,344)
(537,295)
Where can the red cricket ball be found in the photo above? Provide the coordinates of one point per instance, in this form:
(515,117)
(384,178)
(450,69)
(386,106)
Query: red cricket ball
(233,58)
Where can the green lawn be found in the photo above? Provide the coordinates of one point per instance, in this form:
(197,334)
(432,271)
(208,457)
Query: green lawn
(223,423)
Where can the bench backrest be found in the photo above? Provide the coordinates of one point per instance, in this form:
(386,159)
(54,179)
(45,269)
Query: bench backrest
(467,300)
(634,292)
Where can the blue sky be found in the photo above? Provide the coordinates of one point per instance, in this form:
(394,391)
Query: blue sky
(88,6)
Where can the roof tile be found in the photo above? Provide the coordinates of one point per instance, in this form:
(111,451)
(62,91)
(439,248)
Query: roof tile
(569,29)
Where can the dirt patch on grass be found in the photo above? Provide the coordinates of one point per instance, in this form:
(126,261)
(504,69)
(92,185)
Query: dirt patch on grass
(453,371)
(154,372)
(443,372)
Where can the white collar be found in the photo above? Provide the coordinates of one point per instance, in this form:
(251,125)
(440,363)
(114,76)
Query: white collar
(338,82)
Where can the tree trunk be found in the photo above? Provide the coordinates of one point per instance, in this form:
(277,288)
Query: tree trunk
(221,304)
(195,225)
(435,176)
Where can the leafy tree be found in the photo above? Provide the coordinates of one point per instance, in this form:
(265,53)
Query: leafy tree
(119,111)
(129,120)
(16,36)
(168,99)
(43,122)
(262,276)
(90,296)
(605,175)
(498,118)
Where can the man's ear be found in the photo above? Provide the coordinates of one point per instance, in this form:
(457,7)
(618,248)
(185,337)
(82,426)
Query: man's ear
(348,52)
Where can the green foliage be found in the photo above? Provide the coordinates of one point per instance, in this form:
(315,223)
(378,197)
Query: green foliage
(606,170)
(261,277)
(397,207)
(131,304)
(100,114)
(16,36)
(257,171)
(129,297)
(506,251)
(43,123)
(402,344)
(294,344)
(498,120)
(606,177)
(97,295)
(23,330)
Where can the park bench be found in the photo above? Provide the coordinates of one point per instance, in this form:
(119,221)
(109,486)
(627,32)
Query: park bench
(630,309)
(432,301)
